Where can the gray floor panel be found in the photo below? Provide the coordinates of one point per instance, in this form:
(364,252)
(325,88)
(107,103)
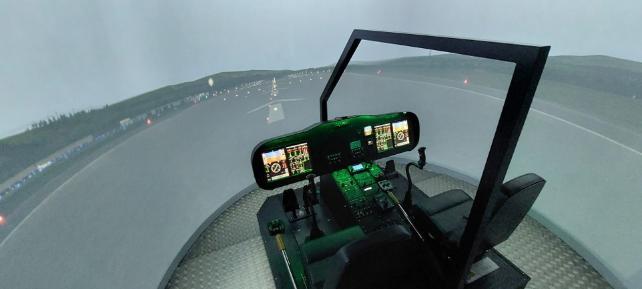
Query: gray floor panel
(236,224)
(243,265)
(230,253)
(549,261)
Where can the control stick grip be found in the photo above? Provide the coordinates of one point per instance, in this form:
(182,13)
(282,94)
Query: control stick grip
(422,157)
(313,189)
(280,243)
(310,178)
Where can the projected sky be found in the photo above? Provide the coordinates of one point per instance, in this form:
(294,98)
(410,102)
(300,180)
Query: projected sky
(63,56)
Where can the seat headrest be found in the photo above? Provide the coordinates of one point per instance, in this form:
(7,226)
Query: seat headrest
(522,183)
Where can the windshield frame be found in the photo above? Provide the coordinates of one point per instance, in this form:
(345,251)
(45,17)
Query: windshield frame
(529,63)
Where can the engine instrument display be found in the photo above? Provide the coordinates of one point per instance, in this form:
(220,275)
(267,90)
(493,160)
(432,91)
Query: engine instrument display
(383,137)
(299,159)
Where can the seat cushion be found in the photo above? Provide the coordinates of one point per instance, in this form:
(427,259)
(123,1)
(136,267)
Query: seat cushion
(443,201)
(449,224)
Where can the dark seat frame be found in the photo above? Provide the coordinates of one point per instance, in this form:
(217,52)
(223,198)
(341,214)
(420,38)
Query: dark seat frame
(445,216)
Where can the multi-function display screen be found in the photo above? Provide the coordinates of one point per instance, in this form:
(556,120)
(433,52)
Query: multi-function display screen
(387,139)
(367,131)
(383,137)
(289,161)
(400,131)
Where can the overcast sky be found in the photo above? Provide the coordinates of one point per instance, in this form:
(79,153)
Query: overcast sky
(61,56)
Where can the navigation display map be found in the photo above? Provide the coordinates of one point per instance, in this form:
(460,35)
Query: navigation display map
(400,131)
(275,165)
(383,137)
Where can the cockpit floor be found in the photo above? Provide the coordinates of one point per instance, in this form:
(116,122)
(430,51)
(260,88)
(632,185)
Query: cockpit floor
(230,252)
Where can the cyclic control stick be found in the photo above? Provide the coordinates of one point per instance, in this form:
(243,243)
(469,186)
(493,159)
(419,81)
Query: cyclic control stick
(407,199)
(276,229)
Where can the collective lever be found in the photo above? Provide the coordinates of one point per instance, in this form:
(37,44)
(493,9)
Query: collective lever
(404,214)
(310,198)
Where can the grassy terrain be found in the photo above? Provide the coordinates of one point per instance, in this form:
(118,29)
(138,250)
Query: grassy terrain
(19,151)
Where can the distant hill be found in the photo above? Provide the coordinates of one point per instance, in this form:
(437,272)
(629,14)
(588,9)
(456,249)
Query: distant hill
(601,73)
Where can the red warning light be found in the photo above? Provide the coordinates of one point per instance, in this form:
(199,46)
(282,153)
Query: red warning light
(148,121)
(2,220)
(466,81)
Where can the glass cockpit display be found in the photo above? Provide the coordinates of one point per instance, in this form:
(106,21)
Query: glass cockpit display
(367,131)
(327,146)
(390,135)
(299,159)
(400,132)
(276,166)
(289,161)
(383,137)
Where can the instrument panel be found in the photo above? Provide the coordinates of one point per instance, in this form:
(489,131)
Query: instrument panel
(328,146)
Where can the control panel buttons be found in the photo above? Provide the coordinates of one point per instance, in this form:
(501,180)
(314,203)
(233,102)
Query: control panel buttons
(334,158)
